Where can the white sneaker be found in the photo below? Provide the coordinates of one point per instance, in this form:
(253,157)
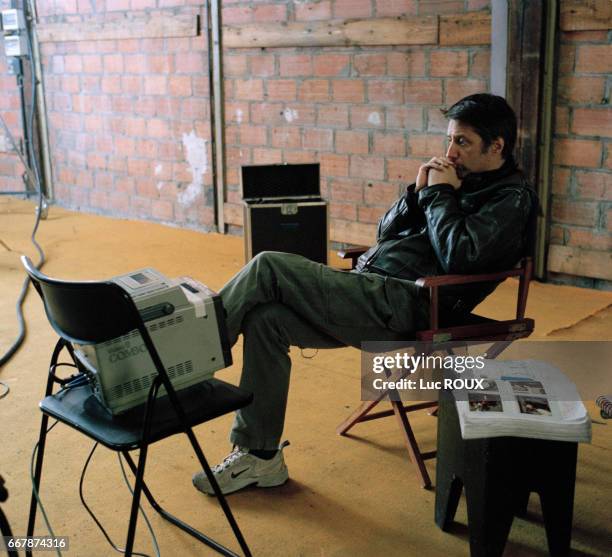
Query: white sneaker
(240,469)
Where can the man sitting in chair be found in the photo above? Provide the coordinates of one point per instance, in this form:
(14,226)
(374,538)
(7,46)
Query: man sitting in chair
(468,212)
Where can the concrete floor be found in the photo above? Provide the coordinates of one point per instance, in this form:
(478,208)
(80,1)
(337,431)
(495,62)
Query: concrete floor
(346,497)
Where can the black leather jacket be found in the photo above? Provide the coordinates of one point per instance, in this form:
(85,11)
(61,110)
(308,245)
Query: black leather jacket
(481,227)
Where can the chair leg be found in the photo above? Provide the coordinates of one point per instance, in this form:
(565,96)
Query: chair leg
(138,485)
(42,438)
(356,416)
(411,443)
(188,528)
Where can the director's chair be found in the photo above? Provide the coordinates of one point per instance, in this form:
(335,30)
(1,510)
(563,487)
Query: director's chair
(96,312)
(443,330)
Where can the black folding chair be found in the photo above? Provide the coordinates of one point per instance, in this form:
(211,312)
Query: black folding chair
(94,312)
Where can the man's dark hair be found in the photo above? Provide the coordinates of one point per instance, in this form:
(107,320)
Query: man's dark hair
(490,116)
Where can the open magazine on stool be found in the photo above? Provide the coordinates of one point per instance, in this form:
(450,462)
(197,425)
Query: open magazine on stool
(522,398)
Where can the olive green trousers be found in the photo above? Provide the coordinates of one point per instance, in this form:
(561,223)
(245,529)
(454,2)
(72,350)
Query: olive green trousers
(280,300)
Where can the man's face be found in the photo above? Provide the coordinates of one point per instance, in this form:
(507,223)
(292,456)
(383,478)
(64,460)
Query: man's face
(466,150)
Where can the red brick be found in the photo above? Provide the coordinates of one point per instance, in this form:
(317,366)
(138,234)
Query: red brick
(436,121)
(281,89)
(313,11)
(191,62)
(235,65)
(589,121)
(232,15)
(162,209)
(84,6)
(103,180)
(155,84)
(427,145)
(333,115)
(561,120)
(352,8)
(346,190)
(314,90)
(73,64)
(135,63)
(249,89)
(142,4)
(294,65)
(122,104)
(392,144)
(111,84)
(334,165)
(134,127)
(92,63)
(449,63)
(192,109)
(145,106)
(435,7)
(94,160)
(481,64)
(567,59)
(352,142)
(262,65)
(405,118)
(331,65)
(124,145)
(93,123)
(253,135)
(594,59)
(579,213)
(159,128)
(113,63)
(71,84)
(367,167)
(267,156)
(594,185)
(348,90)
(117,5)
(577,152)
(393,8)
(456,89)
(367,117)
(318,140)
(270,12)
(585,36)
(561,180)
(200,85)
(370,64)
(128,45)
(380,193)
(161,63)
(557,235)
(300,157)
(139,167)
(423,91)
(179,85)
(344,211)
(589,239)
(581,89)
(288,137)
(385,92)
(403,169)
(406,64)
(370,214)
(262,113)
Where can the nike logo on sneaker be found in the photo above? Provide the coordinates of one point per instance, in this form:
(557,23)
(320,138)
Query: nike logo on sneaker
(236,474)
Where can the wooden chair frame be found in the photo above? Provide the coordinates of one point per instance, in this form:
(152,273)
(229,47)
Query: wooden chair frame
(501,333)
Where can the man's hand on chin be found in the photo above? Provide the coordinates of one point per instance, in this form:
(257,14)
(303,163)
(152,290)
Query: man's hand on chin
(446,175)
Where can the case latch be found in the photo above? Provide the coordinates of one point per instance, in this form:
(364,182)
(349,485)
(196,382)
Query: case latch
(289,209)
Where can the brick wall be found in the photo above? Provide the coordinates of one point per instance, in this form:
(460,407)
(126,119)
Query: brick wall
(129,119)
(368,115)
(581,211)
(11,168)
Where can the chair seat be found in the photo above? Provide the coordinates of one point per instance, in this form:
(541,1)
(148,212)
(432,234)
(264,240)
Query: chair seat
(79,408)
